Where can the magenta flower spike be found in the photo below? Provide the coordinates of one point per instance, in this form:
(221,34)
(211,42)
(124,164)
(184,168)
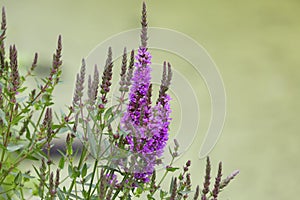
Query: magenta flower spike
(147,126)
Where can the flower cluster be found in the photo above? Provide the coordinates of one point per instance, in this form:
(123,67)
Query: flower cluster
(147,126)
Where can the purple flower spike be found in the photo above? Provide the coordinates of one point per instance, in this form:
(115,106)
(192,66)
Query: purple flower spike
(146,126)
(139,108)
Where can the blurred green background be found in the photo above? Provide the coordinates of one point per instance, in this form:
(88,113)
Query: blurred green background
(255,45)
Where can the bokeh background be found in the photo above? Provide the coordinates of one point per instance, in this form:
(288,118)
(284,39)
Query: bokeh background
(255,45)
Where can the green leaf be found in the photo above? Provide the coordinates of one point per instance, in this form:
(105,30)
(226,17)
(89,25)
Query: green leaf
(61,163)
(108,113)
(73,172)
(88,177)
(113,117)
(28,135)
(171,185)
(163,194)
(122,132)
(20,90)
(184,192)
(13,148)
(31,157)
(172,169)
(18,179)
(138,192)
(21,99)
(84,170)
(60,194)
(2,117)
(92,142)
(149,197)
(170,150)
(70,171)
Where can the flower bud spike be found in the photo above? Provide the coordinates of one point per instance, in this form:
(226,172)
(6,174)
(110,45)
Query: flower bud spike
(144,23)
(228,179)
(130,70)
(206,179)
(34,63)
(14,76)
(174,189)
(79,84)
(123,72)
(170,74)
(107,76)
(196,195)
(3,24)
(216,189)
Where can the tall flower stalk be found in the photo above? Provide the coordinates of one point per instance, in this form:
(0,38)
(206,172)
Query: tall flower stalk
(147,126)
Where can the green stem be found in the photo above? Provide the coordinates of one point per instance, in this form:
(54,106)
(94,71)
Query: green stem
(40,118)
(5,192)
(6,136)
(92,179)
(163,177)
(82,158)
(121,186)
(33,100)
